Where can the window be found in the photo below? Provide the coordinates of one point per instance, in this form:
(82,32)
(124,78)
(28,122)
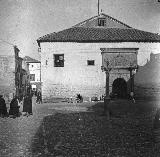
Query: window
(32,77)
(58,60)
(101,22)
(46,62)
(90,62)
(32,66)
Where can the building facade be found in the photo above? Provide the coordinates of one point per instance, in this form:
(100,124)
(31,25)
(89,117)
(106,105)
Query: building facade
(71,59)
(26,78)
(11,72)
(34,72)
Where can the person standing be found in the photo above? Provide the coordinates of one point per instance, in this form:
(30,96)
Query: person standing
(3,108)
(14,108)
(39,97)
(27,104)
(132,97)
(156,129)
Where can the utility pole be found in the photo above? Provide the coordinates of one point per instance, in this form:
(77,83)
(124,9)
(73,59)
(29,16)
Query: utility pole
(39,51)
(107,97)
(98,7)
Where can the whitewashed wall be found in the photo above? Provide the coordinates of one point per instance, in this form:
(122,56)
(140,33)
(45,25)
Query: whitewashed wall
(34,68)
(76,76)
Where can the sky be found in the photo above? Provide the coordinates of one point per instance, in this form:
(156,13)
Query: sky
(22,22)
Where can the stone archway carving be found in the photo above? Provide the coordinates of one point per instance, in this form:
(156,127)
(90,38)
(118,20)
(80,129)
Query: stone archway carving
(119,63)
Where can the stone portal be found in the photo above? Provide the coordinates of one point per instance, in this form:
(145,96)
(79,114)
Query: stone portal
(119,65)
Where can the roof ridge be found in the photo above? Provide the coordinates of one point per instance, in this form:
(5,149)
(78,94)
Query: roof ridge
(85,20)
(104,15)
(116,20)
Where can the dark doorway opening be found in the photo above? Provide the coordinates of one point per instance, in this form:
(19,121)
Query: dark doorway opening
(119,88)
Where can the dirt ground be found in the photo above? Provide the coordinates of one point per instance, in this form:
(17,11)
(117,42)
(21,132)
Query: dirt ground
(68,129)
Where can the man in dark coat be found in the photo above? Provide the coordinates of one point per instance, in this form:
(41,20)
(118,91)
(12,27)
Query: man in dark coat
(3,108)
(14,108)
(27,104)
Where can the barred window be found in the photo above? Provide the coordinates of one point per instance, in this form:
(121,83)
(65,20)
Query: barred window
(58,60)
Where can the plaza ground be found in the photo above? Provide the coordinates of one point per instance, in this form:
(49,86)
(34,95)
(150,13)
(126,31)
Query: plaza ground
(68,129)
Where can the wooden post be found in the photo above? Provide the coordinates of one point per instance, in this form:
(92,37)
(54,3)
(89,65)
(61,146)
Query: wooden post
(106,98)
(107,83)
(132,85)
(132,81)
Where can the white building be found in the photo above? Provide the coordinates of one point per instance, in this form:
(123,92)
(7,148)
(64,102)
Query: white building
(71,59)
(35,71)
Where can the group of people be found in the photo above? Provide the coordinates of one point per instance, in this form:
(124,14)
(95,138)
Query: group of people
(14,110)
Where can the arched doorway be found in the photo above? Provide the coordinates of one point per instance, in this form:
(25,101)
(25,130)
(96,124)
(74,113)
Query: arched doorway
(119,88)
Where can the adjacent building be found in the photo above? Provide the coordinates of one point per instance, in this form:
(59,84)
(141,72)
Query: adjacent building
(11,72)
(71,60)
(147,79)
(34,72)
(26,78)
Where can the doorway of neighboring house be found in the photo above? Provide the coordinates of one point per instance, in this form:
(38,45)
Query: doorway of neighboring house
(119,88)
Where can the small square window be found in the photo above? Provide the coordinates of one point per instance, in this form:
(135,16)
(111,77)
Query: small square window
(90,62)
(101,22)
(58,60)
(32,77)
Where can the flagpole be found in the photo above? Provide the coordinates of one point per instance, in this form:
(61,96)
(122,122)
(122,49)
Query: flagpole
(98,7)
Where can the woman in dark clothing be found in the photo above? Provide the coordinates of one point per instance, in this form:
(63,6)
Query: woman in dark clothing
(14,108)
(3,108)
(27,105)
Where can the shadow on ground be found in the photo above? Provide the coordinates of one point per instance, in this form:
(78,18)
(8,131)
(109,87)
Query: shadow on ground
(128,133)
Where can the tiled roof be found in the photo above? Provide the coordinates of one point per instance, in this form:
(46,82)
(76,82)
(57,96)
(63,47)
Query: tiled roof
(30,60)
(82,34)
